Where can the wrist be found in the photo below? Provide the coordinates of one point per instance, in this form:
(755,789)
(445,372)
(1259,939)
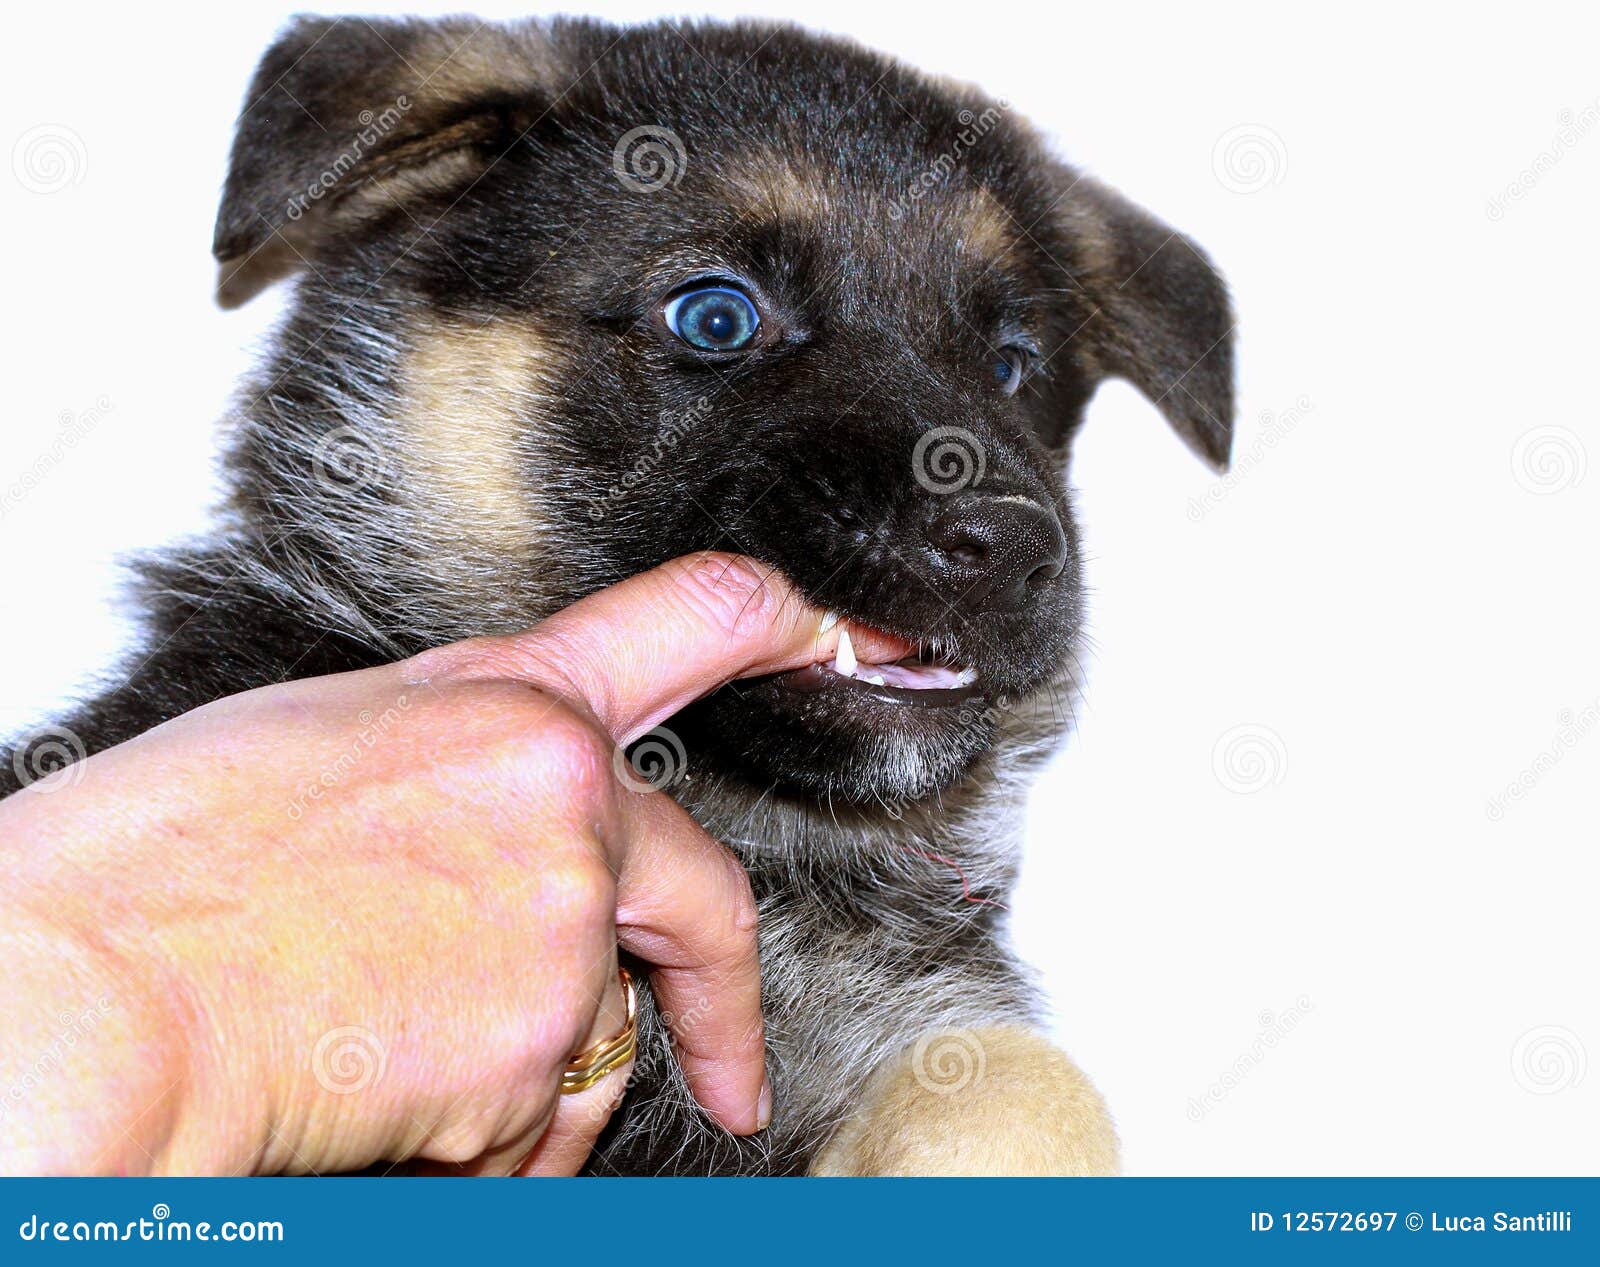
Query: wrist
(105,1062)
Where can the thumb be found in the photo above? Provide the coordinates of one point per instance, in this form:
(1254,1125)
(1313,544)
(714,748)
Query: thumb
(639,651)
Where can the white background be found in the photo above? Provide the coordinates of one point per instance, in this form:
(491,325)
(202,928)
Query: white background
(1283,928)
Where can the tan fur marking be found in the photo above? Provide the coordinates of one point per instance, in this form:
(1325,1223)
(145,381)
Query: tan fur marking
(470,394)
(987,231)
(395,185)
(999,1101)
(772,186)
(490,58)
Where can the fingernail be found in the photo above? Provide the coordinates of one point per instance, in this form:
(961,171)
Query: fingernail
(764,1106)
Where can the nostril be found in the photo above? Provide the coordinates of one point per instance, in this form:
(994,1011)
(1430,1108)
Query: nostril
(999,551)
(1043,573)
(960,539)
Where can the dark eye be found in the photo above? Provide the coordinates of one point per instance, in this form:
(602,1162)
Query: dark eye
(1009,367)
(713,318)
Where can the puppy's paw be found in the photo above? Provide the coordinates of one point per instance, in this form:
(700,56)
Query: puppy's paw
(998,1101)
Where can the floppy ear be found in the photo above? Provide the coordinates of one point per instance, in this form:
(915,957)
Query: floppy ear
(1162,318)
(347,118)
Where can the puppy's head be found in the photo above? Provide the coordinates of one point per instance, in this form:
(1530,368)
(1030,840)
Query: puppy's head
(590,298)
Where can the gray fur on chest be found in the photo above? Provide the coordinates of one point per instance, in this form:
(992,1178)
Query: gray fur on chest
(876,929)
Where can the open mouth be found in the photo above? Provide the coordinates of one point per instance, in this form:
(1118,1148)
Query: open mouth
(925,678)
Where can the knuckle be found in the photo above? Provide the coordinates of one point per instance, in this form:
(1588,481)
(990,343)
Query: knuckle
(458,1142)
(579,889)
(751,1041)
(570,752)
(732,591)
(465,660)
(739,904)
(542,739)
(540,658)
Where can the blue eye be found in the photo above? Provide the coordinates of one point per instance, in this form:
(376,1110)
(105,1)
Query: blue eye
(713,319)
(1008,368)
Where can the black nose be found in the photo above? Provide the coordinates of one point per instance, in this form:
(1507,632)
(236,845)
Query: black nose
(996,552)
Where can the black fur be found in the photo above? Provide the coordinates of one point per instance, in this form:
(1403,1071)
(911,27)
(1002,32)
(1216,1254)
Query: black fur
(898,232)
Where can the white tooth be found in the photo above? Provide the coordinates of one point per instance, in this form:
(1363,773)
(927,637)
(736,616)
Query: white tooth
(829,620)
(967,676)
(845,656)
(875,678)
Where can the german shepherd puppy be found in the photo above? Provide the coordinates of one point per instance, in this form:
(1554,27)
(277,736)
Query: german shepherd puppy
(575,299)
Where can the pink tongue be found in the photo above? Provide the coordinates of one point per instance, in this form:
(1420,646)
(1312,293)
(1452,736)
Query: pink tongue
(915,677)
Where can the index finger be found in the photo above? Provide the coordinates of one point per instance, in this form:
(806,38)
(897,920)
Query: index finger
(685,907)
(641,650)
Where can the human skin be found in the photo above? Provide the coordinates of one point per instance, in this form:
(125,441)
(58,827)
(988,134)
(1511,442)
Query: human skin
(369,917)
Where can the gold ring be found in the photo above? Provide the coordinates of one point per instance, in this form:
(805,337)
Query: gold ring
(593,1063)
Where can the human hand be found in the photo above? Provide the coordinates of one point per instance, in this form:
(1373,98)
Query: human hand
(369,917)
